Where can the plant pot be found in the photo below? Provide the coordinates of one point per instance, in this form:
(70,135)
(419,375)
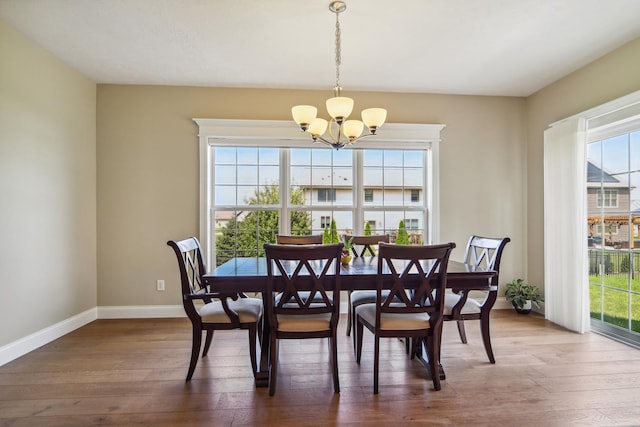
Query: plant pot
(525,309)
(345,259)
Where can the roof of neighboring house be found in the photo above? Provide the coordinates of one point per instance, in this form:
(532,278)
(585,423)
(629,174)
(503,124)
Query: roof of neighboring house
(596,174)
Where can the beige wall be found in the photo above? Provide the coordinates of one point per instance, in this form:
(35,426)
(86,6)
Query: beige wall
(47,189)
(148,172)
(606,79)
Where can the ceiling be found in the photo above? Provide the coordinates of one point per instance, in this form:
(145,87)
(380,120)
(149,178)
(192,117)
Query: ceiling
(476,47)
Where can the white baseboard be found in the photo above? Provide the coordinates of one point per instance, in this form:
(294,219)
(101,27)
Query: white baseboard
(140,311)
(31,342)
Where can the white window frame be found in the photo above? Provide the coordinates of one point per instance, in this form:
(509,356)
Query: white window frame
(280,133)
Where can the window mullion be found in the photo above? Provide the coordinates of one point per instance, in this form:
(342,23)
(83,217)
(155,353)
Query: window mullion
(358,196)
(284,226)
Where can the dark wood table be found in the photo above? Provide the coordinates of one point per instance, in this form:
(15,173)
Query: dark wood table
(250,275)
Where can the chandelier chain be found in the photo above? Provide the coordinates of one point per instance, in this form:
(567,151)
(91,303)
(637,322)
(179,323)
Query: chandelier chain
(338,54)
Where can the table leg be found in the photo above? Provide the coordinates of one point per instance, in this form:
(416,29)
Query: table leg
(421,354)
(262,376)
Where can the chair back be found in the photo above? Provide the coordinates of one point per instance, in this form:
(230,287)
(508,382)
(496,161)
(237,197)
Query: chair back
(191,264)
(367,243)
(305,274)
(485,252)
(419,279)
(313,239)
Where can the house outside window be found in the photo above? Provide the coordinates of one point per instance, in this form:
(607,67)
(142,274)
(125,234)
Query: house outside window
(326,194)
(415,195)
(325,221)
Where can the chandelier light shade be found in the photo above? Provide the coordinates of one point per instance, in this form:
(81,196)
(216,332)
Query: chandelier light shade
(340,131)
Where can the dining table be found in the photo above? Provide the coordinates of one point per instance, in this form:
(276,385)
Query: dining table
(249,274)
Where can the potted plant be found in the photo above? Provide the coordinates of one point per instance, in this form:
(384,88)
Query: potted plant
(346,250)
(522,295)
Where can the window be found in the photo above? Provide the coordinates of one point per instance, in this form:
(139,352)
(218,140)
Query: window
(608,199)
(326,194)
(368,195)
(415,195)
(255,188)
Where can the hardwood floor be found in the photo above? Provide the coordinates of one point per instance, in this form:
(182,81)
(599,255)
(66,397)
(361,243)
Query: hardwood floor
(131,372)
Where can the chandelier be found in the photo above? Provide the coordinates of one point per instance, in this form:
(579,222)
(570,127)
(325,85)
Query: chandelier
(341,132)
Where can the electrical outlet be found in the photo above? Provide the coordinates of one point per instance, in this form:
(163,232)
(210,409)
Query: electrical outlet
(159,285)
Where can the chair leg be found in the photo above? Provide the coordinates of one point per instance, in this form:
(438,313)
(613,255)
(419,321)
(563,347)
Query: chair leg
(273,364)
(349,314)
(353,316)
(195,350)
(376,363)
(207,343)
(252,347)
(359,332)
(486,337)
(461,331)
(334,362)
(434,360)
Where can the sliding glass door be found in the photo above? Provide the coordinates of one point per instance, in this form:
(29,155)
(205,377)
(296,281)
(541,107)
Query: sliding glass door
(613,206)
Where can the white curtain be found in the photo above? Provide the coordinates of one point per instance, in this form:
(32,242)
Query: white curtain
(566,288)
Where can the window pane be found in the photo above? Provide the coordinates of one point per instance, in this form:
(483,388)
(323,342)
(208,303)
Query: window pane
(269,156)
(372,157)
(269,195)
(247,175)
(301,175)
(269,175)
(225,155)
(225,195)
(225,175)
(300,156)
(247,155)
(615,154)
(413,177)
(372,177)
(393,158)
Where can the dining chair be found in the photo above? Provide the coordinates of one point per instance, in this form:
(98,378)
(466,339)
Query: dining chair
(413,307)
(212,311)
(306,275)
(308,239)
(483,252)
(363,245)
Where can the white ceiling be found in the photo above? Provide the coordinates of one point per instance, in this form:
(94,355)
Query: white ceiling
(484,47)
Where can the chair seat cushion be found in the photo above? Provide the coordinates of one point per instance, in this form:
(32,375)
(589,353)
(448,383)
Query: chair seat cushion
(471,306)
(365,297)
(304,323)
(249,311)
(394,321)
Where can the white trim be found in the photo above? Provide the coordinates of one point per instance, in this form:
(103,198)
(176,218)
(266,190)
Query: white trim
(44,336)
(140,311)
(283,133)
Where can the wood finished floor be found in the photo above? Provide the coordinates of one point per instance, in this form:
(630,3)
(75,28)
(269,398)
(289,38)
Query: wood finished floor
(131,372)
